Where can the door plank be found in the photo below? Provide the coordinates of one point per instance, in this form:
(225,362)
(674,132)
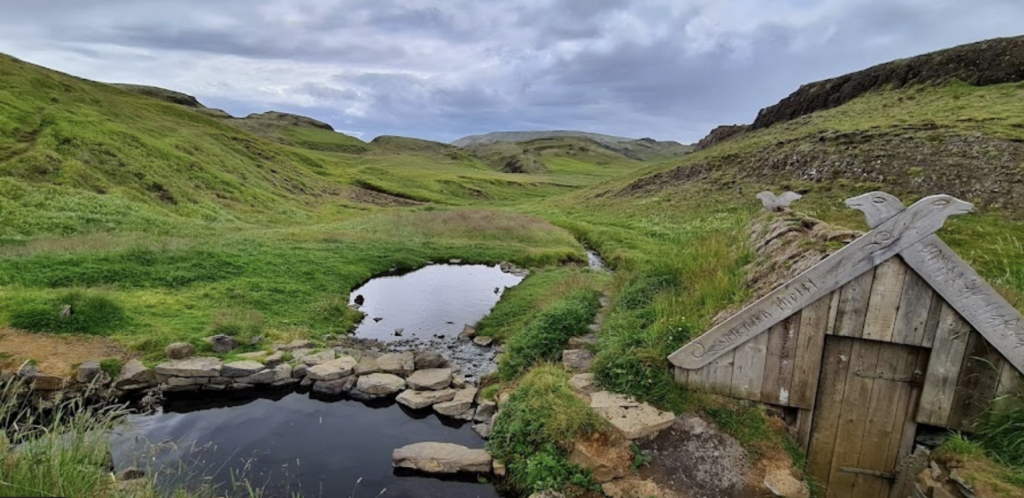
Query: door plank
(947,357)
(853,417)
(828,407)
(884,303)
(881,419)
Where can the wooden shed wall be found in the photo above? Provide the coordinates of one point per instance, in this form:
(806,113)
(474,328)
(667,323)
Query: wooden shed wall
(888,304)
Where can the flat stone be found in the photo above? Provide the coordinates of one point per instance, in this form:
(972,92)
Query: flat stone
(191,367)
(334,387)
(632,488)
(242,368)
(88,372)
(299,371)
(186,381)
(782,483)
(418,400)
(258,355)
(429,359)
(380,385)
(222,381)
(134,375)
(296,344)
(274,359)
(459,405)
(334,369)
(577,360)
(397,363)
(268,376)
(223,344)
(583,341)
(584,383)
(468,333)
(317,358)
(500,470)
(442,458)
(179,350)
(635,420)
(367,365)
(306,382)
(485,410)
(483,341)
(181,389)
(289,382)
(483,429)
(605,459)
(43,382)
(458,381)
(431,379)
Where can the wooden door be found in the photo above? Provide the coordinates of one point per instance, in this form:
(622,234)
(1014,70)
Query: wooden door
(863,415)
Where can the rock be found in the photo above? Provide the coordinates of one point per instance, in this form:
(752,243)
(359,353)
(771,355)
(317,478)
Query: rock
(583,383)
(547,494)
(222,381)
(459,405)
(294,345)
(359,300)
(417,400)
(306,382)
(191,367)
(214,387)
(130,473)
(634,419)
(43,382)
(483,429)
(397,363)
(243,368)
(455,261)
(268,376)
(431,379)
(441,458)
(458,381)
(258,355)
(179,350)
(88,372)
(782,483)
(500,470)
(186,381)
(503,397)
(239,386)
(380,385)
(399,332)
(483,341)
(606,459)
(577,360)
(317,358)
(334,387)
(223,343)
(367,365)
(334,369)
(274,359)
(429,359)
(299,371)
(583,341)
(134,375)
(485,410)
(283,383)
(632,488)
(28,370)
(468,333)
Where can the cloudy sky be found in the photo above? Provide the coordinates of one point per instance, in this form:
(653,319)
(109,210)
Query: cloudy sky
(441,69)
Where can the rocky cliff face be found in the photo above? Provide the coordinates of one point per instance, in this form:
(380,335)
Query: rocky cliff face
(984,63)
(720,134)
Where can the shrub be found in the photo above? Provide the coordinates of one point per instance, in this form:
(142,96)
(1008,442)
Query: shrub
(545,337)
(536,426)
(75,312)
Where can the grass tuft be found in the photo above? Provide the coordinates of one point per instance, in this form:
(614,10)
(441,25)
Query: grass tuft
(75,312)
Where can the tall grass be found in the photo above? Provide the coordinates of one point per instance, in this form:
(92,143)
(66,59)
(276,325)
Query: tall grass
(1001,431)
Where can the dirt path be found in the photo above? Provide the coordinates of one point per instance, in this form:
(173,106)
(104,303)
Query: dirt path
(55,355)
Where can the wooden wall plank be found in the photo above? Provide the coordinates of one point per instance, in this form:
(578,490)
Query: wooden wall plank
(853,306)
(1011,382)
(719,373)
(778,371)
(853,418)
(809,348)
(828,407)
(804,423)
(748,369)
(932,325)
(912,316)
(977,384)
(947,357)
(884,302)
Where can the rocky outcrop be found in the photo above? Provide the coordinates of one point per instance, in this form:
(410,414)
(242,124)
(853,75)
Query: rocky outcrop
(721,134)
(285,118)
(442,458)
(984,63)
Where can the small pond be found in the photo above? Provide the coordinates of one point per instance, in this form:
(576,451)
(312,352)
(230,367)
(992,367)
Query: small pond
(434,302)
(292,444)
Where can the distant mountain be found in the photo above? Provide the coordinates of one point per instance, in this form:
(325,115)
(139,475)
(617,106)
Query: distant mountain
(644,149)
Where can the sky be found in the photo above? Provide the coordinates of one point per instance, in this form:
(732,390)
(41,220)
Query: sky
(440,70)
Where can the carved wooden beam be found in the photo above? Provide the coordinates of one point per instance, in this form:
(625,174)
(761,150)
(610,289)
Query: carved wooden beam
(966,291)
(890,237)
